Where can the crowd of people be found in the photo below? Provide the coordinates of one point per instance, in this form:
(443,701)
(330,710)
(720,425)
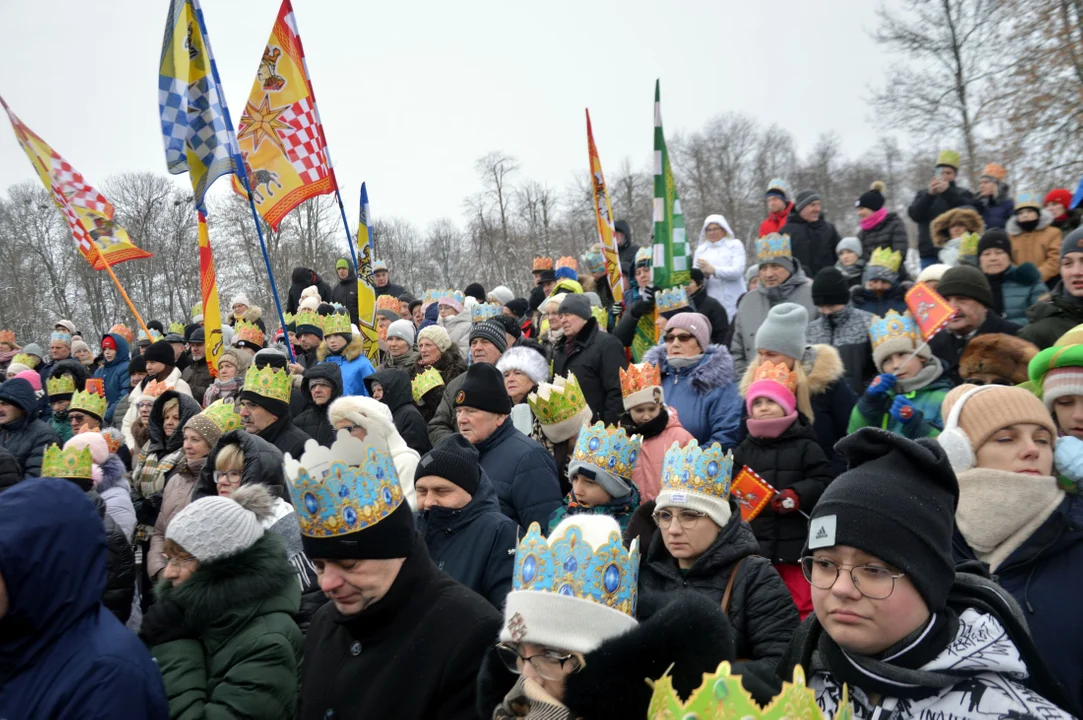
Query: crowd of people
(526,506)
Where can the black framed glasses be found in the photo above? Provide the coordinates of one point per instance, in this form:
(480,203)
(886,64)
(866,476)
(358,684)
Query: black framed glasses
(687,519)
(228,477)
(549,665)
(872,581)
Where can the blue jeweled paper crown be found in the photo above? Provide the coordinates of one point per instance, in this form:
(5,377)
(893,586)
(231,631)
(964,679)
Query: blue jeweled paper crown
(608,575)
(893,325)
(705,471)
(671,299)
(593,260)
(342,489)
(378,265)
(607,448)
(643,255)
(483,311)
(773,246)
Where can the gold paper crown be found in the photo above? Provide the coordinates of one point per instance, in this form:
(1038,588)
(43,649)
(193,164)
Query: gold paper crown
(773,246)
(723,696)
(89,402)
(154,388)
(268,382)
(777,372)
(176,327)
(7,336)
(23,359)
(223,413)
(886,258)
(124,331)
(557,401)
(63,385)
(543,263)
(247,332)
(308,317)
(600,316)
(639,376)
(424,382)
(336,324)
(968,244)
(290,319)
(568,262)
(197,311)
(72,463)
(387,302)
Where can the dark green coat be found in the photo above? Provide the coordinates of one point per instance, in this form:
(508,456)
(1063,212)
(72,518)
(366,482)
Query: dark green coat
(246,662)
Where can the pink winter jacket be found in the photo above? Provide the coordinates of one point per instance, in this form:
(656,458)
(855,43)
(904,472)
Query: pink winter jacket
(647,474)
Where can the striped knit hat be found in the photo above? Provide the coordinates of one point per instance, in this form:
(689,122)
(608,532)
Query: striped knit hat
(1058,370)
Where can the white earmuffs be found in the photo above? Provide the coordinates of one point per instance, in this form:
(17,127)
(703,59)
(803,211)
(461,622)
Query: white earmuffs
(954,439)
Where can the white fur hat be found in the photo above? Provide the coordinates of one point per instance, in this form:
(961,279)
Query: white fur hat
(529,362)
(309,303)
(311,291)
(239,299)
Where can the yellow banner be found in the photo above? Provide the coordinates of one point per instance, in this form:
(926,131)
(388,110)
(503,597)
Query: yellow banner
(208,286)
(366,288)
(604,213)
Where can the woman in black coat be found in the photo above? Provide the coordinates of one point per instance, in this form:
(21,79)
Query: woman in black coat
(395,392)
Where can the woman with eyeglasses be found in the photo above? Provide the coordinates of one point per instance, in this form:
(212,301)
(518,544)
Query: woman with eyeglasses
(698,379)
(893,621)
(221,630)
(1015,518)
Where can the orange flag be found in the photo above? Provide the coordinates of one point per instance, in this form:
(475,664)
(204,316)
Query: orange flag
(751,492)
(930,311)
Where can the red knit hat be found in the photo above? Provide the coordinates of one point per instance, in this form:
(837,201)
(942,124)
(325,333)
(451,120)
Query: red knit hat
(1059,195)
(108,342)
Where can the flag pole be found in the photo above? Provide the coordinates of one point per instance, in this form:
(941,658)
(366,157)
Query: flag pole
(345,223)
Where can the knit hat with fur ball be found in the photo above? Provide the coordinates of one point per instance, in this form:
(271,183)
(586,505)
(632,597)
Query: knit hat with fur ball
(783,330)
(897,503)
(873,198)
(217,527)
(1004,356)
(437,335)
(526,360)
(695,323)
(994,408)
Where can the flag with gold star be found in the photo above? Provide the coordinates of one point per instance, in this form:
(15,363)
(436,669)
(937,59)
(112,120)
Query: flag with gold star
(280,133)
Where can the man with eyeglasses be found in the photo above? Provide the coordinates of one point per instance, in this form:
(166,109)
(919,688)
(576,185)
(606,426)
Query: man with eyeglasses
(968,292)
(593,355)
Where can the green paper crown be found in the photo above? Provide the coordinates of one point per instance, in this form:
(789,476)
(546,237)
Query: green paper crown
(71,463)
(968,244)
(223,413)
(557,401)
(336,324)
(269,383)
(63,385)
(197,311)
(89,402)
(307,317)
(425,382)
(176,327)
(23,359)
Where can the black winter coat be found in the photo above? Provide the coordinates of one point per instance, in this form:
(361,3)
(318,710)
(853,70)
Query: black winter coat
(714,312)
(793,461)
(391,289)
(27,437)
(523,473)
(761,609)
(10,472)
(413,654)
(345,293)
(949,348)
(475,545)
(398,396)
(286,436)
(120,565)
(198,376)
(313,420)
(300,279)
(1047,321)
(262,464)
(596,361)
(890,234)
(925,208)
(813,244)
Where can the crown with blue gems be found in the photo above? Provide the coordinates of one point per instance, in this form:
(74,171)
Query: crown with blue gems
(593,259)
(705,471)
(671,299)
(607,448)
(773,246)
(483,311)
(892,326)
(58,336)
(70,463)
(336,324)
(63,385)
(342,489)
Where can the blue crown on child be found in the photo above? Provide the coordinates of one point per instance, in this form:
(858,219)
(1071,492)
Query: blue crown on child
(607,448)
(773,246)
(483,311)
(892,326)
(608,575)
(705,471)
(671,299)
(342,489)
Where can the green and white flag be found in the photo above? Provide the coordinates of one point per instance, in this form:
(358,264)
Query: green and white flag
(672,255)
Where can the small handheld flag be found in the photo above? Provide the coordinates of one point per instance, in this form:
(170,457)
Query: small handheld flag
(930,311)
(752,493)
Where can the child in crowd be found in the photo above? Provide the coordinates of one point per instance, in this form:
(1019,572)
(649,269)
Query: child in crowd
(905,397)
(600,472)
(346,350)
(1056,375)
(850,263)
(882,291)
(647,415)
(781,448)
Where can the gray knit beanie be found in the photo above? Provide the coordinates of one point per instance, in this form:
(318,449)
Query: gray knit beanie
(849,243)
(784,330)
(1073,242)
(217,527)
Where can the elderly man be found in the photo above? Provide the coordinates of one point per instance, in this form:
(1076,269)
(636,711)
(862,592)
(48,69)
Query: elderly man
(524,474)
(488,341)
(381,278)
(967,290)
(265,408)
(596,358)
(812,237)
(399,639)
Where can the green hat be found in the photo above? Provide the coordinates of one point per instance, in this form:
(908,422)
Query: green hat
(949,158)
(342,263)
(1067,351)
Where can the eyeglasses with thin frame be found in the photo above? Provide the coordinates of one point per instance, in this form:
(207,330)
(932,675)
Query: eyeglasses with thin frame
(687,519)
(872,581)
(678,337)
(349,428)
(549,664)
(176,562)
(228,477)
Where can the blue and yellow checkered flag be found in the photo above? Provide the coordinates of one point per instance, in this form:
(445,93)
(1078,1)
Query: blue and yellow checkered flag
(196,128)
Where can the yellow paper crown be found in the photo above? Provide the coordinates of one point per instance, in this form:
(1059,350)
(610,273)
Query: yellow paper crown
(886,258)
(72,463)
(336,324)
(223,413)
(89,402)
(639,376)
(424,382)
(557,401)
(247,332)
(63,385)
(568,262)
(197,311)
(777,372)
(176,327)
(268,382)
(968,244)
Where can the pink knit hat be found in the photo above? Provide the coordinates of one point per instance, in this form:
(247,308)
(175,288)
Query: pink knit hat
(451,303)
(99,449)
(694,323)
(773,391)
(32,377)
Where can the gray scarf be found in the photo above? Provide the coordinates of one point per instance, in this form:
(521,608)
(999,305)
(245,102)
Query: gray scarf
(931,371)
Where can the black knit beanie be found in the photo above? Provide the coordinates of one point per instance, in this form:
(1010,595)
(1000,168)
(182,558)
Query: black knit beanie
(511,325)
(829,287)
(392,537)
(137,364)
(871,199)
(161,351)
(476,291)
(896,501)
(519,306)
(966,281)
(995,238)
(453,459)
(483,388)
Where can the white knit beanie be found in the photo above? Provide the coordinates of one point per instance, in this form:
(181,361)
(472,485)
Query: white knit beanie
(240,299)
(216,527)
(501,294)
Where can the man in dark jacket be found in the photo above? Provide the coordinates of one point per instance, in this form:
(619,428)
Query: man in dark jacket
(10,472)
(64,654)
(967,290)
(622,233)
(843,326)
(942,195)
(21,433)
(812,237)
(384,286)
(525,475)
(459,517)
(391,386)
(302,278)
(594,356)
(488,341)
(399,639)
(706,305)
(345,292)
(198,372)
(321,385)
(1064,310)
(265,411)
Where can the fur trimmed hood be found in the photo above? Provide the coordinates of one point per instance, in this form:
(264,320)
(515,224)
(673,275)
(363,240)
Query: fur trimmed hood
(1045,219)
(351,352)
(112,475)
(715,370)
(822,365)
(940,226)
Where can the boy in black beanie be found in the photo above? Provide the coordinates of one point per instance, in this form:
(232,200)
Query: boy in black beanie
(842,326)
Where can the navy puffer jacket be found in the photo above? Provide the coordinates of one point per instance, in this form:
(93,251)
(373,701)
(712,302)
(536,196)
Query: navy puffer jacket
(27,437)
(115,375)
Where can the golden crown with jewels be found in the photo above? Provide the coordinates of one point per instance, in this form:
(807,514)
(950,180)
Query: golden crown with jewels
(557,401)
(89,402)
(245,331)
(62,385)
(424,382)
(72,463)
(336,324)
(886,258)
(692,469)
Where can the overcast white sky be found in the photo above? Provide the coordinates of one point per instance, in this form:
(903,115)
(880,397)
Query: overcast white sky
(411,93)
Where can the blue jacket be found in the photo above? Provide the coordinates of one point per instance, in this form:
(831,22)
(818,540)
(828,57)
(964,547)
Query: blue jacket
(1043,575)
(27,437)
(115,375)
(475,544)
(62,654)
(995,212)
(524,474)
(1020,288)
(705,395)
(353,363)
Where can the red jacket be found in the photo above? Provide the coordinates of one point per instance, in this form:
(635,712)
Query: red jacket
(775,221)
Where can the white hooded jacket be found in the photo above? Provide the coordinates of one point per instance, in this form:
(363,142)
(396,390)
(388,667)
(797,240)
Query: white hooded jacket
(728,258)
